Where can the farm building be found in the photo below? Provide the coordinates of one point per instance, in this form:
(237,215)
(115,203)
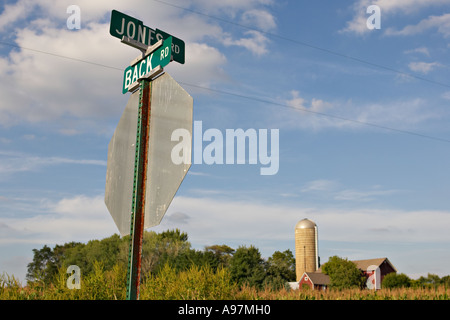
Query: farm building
(373,269)
(307,261)
(315,280)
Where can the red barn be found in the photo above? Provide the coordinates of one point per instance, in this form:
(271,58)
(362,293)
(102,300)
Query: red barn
(315,280)
(374,269)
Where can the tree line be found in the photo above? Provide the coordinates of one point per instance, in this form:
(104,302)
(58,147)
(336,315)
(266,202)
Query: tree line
(169,248)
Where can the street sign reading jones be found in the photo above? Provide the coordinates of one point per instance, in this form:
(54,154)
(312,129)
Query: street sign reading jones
(124,25)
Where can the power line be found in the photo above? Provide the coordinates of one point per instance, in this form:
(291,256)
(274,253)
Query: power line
(246,97)
(318,113)
(302,43)
(60,56)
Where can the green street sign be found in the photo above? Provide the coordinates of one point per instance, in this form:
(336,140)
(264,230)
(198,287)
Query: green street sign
(124,25)
(159,57)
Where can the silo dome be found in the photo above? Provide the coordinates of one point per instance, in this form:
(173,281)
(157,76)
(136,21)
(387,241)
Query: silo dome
(306,224)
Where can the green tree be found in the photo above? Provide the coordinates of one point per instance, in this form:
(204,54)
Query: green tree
(106,250)
(37,268)
(159,249)
(432,280)
(185,258)
(343,273)
(394,280)
(46,262)
(280,268)
(172,236)
(169,245)
(114,250)
(247,267)
(190,258)
(446,280)
(222,252)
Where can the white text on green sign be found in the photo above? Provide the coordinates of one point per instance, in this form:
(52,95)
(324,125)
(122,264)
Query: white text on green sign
(160,57)
(124,25)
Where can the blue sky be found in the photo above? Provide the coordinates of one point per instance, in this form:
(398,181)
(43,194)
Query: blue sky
(362,115)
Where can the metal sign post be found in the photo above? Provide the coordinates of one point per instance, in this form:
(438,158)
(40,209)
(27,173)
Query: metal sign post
(138,198)
(141,177)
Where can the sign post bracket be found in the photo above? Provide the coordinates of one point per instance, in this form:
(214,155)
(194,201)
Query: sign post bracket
(135,44)
(147,52)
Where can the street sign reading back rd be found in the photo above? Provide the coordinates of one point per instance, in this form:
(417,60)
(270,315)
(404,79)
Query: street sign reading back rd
(124,25)
(160,57)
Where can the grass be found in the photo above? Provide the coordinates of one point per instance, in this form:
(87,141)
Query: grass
(197,283)
(438,293)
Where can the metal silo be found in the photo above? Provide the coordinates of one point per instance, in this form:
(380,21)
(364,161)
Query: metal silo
(306,247)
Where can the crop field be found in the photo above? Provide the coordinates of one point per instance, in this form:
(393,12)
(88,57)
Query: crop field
(197,283)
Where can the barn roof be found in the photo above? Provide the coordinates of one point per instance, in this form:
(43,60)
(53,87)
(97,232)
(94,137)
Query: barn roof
(365,264)
(318,278)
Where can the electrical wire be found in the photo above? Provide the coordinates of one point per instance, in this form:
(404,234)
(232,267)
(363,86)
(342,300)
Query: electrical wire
(302,43)
(244,96)
(318,113)
(60,56)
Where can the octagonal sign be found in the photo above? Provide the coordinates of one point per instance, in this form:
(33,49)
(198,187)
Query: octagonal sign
(171,109)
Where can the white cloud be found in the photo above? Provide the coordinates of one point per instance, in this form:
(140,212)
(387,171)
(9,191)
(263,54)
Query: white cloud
(319,114)
(329,189)
(388,7)
(422,50)
(357,25)
(259,19)
(209,221)
(398,114)
(76,96)
(229,7)
(296,101)
(362,196)
(39,87)
(79,218)
(423,67)
(319,185)
(15,12)
(317,106)
(403,6)
(204,66)
(446,95)
(178,218)
(80,206)
(255,42)
(252,15)
(441,23)
(12,162)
